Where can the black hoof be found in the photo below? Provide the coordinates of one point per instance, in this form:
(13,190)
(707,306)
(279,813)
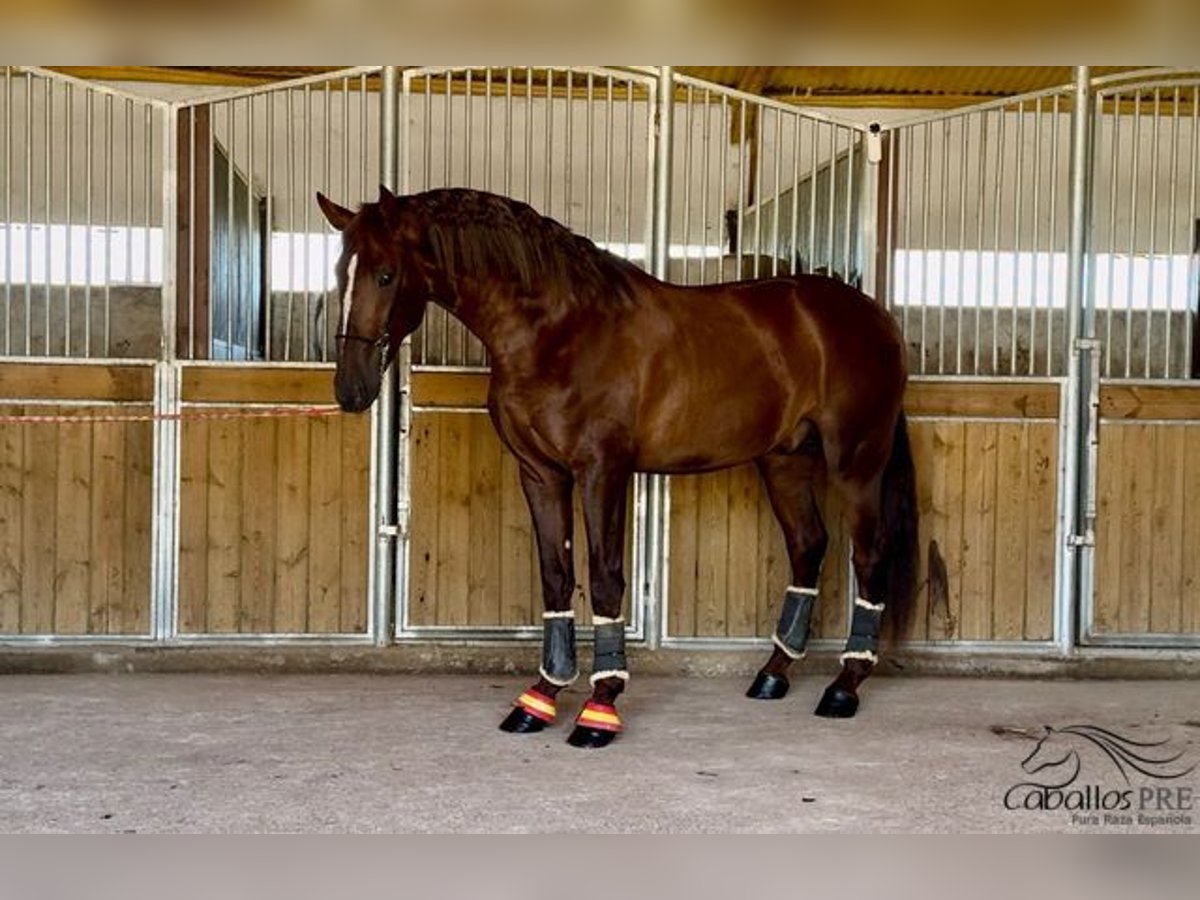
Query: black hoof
(837,703)
(768,687)
(520,721)
(590,738)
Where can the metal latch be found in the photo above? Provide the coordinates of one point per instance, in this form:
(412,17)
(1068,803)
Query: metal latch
(1082,540)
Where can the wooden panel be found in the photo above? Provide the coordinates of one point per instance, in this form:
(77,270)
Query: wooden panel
(75,524)
(262,384)
(53,381)
(982,399)
(1148,518)
(462,390)
(472,559)
(1144,401)
(273,517)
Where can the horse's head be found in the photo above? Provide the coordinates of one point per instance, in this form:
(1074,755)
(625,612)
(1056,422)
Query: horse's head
(383,294)
(1050,752)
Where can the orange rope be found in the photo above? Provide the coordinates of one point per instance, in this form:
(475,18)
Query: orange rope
(262,413)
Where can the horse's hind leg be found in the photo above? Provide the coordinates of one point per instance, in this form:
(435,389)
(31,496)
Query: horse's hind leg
(548,493)
(840,700)
(604,488)
(789,483)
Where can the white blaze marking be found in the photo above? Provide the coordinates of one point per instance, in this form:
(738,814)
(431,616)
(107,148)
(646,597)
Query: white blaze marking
(349,297)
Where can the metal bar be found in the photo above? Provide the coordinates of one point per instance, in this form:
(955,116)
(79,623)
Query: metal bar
(739,250)
(529,134)
(269,279)
(979,218)
(943,243)
(487,128)
(290,150)
(568,149)
(1036,244)
(388,503)
(28,215)
(1019,165)
(589,198)
(8,219)
(687,186)
(996,220)
(1152,249)
(230,233)
(848,213)
(831,212)
(468,128)
(251,289)
(306,347)
(927,148)
(1053,235)
(959,305)
(49,212)
(795,192)
(1188,360)
(629,171)
(1072,465)
(275,87)
(69,212)
(1134,178)
(907,193)
(508,130)
(723,195)
(447,129)
(1174,209)
(706,176)
(88,187)
(894,145)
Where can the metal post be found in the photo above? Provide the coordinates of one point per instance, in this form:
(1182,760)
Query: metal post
(385,509)
(656,488)
(1074,470)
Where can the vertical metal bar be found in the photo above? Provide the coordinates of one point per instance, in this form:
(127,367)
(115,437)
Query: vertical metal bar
(269,300)
(508,130)
(589,199)
(1074,470)
(69,212)
(739,250)
(927,148)
(813,172)
(231,291)
(723,196)
(1188,361)
(687,186)
(1019,165)
(28,215)
(848,212)
(8,219)
(389,455)
(960,300)
(609,127)
(629,169)
(88,156)
(568,149)
(777,193)
(293,256)
(1152,249)
(1053,219)
(251,289)
(979,219)
(1174,209)
(943,245)
(306,348)
(447,129)
(468,129)
(831,212)
(487,128)
(996,220)
(756,160)
(1036,210)
(148,124)
(49,149)
(529,134)
(1134,177)
(427,163)
(795,191)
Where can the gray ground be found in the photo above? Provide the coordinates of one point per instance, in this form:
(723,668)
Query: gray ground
(301,753)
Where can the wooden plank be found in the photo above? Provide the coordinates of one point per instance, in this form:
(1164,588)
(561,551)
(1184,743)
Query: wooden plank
(712,550)
(12,494)
(1136,486)
(774,568)
(356,477)
(1010,574)
(461,390)
(72,534)
(256,534)
(921,438)
(946,526)
(454,521)
(66,381)
(257,384)
(39,527)
(982,399)
(324,527)
(520,593)
(741,584)
(1166,529)
(681,608)
(1145,401)
(224,480)
(483,564)
(1189,616)
(1041,538)
(831,618)
(1109,529)
(423,548)
(291,586)
(107,528)
(195,443)
(979,531)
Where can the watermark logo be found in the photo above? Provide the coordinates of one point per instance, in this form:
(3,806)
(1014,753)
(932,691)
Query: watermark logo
(1101,778)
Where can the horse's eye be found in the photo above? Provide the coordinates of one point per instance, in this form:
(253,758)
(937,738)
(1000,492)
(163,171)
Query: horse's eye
(384,279)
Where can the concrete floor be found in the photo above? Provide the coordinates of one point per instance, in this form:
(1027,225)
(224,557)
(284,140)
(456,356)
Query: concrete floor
(372,753)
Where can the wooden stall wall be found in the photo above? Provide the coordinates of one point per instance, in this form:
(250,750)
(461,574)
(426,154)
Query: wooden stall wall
(75,501)
(472,560)
(1148,511)
(273,511)
(986,456)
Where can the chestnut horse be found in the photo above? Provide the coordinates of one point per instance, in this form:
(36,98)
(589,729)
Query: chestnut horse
(600,371)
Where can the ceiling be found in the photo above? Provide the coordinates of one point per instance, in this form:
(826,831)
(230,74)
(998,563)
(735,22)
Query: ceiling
(888,86)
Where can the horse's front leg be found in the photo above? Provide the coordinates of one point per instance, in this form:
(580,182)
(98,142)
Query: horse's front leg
(548,493)
(604,488)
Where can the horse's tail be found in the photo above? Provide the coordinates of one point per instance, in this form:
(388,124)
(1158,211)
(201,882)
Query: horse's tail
(898,531)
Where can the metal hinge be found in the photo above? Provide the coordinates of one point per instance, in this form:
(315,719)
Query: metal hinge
(1082,540)
(1086,344)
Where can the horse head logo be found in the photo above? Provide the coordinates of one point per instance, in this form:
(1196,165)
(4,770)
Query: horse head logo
(1057,754)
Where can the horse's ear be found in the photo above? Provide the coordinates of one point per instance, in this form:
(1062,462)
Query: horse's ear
(339,217)
(389,205)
